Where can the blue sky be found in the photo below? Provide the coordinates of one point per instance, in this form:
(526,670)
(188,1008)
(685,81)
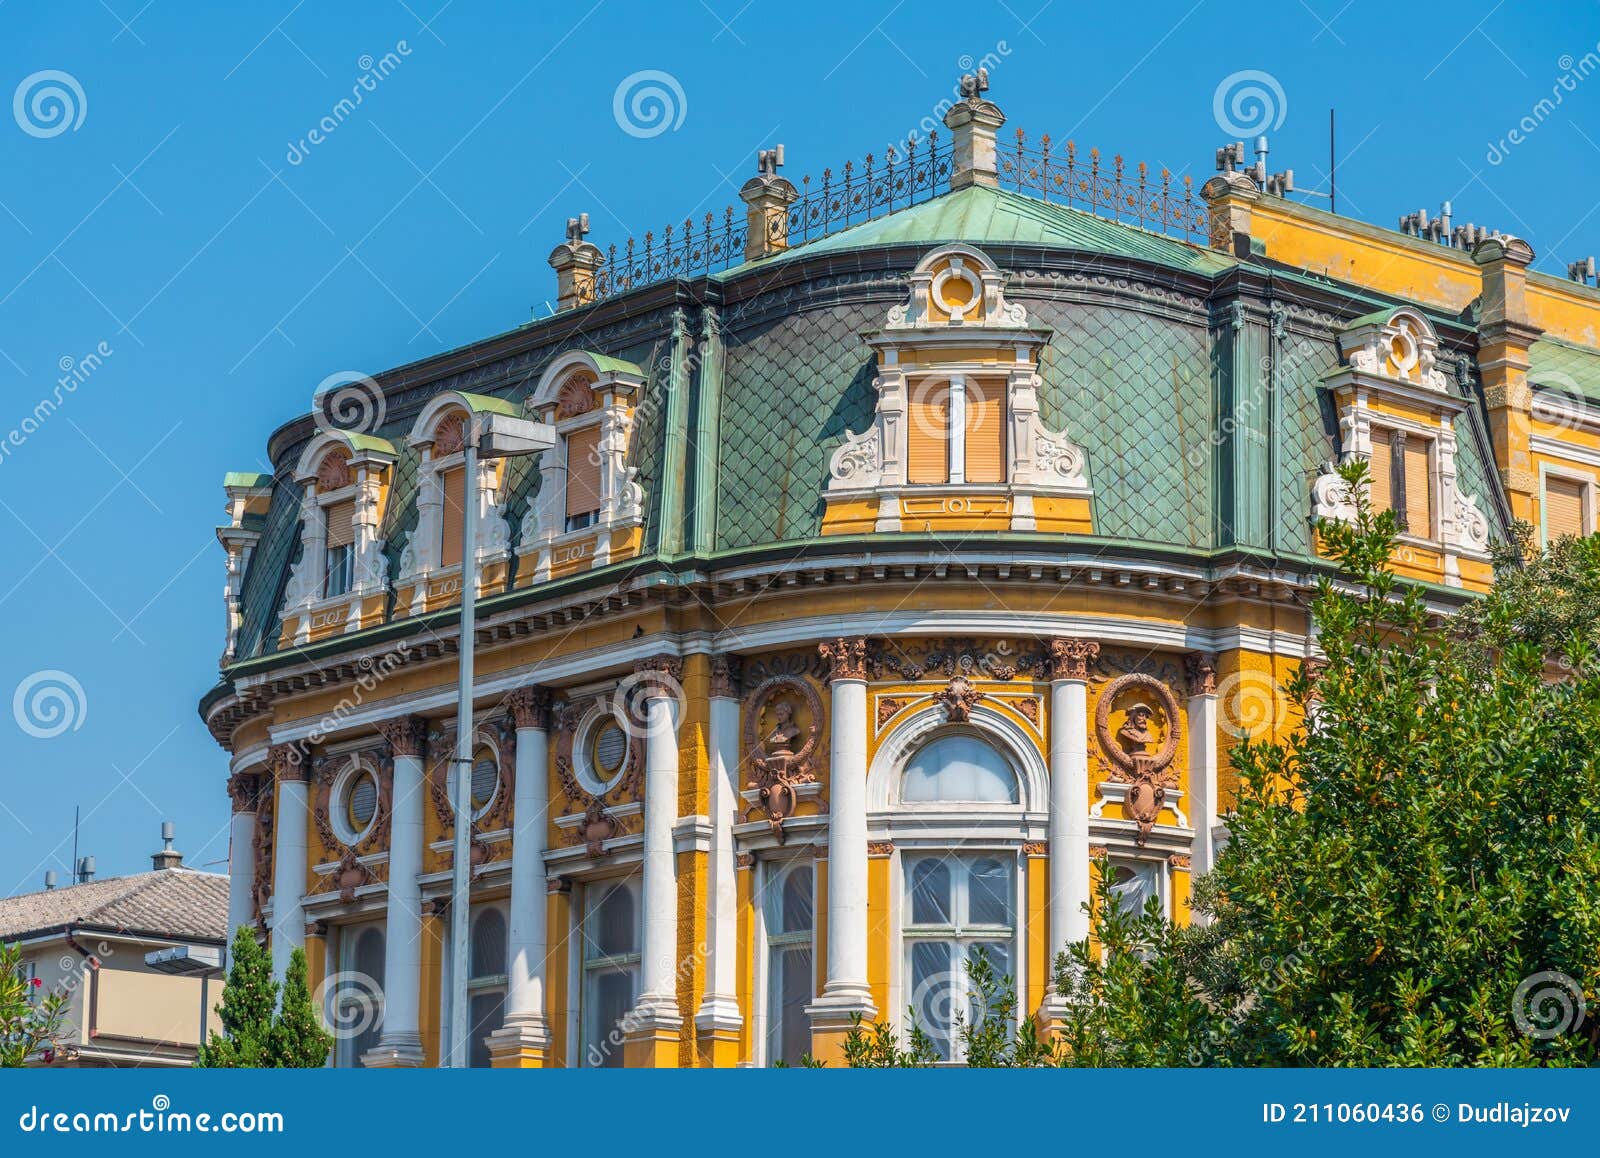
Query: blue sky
(181,221)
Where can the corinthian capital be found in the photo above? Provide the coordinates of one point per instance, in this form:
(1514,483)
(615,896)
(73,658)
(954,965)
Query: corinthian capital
(1070,658)
(289,763)
(530,707)
(847,658)
(405,735)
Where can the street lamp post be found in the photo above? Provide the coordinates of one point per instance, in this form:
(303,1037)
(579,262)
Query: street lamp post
(491,436)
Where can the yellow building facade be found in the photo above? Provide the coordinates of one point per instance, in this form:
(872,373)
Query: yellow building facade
(906,555)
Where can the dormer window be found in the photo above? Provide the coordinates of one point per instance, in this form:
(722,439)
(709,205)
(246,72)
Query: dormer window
(339,570)
(589,508)
(430,564)
(340,582)
(958,407)
(1397,411)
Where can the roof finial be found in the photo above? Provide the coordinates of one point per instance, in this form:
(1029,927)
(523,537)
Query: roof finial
(578,227)
(973,85)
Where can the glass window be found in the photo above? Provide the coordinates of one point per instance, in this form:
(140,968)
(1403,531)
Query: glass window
(362,802)
(610,941)
(959,769)
(486,982)
(1133,883)
(791,977)
(338,571)
(957,908)
(485,780)
(357,1013)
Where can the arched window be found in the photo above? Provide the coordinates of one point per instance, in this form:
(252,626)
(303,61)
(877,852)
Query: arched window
(486,982)
(610,938)
(959,769)
(789,910)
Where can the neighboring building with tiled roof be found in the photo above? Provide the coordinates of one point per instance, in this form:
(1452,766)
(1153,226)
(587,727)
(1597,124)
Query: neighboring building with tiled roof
(90,939)
(964,501)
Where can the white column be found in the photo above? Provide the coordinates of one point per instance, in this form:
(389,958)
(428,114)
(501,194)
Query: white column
(1069,790)
(846,991)
(658,999)
(526,1035)
(1202,801)
(719,1009)
(242,789)
(401,1040)
(289,769)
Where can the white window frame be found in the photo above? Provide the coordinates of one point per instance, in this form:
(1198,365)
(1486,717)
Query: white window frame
(770,882)
(1585,479)
(492,982)
(587,894)
(344,1055)
(900,988)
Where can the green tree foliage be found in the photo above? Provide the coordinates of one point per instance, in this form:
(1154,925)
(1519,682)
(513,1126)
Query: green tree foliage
(1408,879)
(1409,876)
(298,1039)
(32,1020)
(256,1033)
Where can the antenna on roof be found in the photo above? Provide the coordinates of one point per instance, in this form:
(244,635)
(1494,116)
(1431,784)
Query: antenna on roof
(1581,271)
(49,879)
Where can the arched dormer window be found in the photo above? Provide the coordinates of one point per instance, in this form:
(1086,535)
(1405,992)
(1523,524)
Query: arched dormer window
(430,564)
(1398,410)
(956,441)
(339,582)
(590,507)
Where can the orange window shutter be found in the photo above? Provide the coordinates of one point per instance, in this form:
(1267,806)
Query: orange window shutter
(1563,509)
(1419,488)
(986,433)
(928,436)
(341,524)
(1379,469)
(455,505)
(583,471)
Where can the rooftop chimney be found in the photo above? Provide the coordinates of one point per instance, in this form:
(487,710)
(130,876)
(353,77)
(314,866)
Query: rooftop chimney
(85,869)
(168,857)
(575,262)
(973,122)
(767,197)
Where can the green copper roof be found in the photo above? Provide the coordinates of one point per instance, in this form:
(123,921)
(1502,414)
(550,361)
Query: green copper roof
(615,365)
(246,478)
(485,404)
(984,216)
(1556,365)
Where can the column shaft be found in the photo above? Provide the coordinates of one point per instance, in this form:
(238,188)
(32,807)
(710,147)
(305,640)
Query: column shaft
(401,1040)
(525,1036)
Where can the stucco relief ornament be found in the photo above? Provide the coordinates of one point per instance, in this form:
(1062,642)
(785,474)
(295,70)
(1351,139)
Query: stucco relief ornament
(350,875)
(846,658)
(1472,527)
(957,699)
(780,759)
(1141,750)
(858,461)
(1331,498)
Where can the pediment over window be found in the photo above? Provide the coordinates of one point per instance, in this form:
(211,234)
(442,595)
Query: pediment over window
(589,509)
(956,285)
(1398,346)
(956,441)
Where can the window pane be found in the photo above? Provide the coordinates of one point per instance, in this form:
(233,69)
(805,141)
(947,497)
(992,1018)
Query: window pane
(489,944)
(935,987)
(611,929)
(363,802)
(369,953)
(583,471)
(928,433)
(455,505)
(608,998)
(930,892)
(1001,968)
(789,991)
(488,1011)
(485,779)
(797,905)
(1563,509)
(959,768)
(986,432)
(989,892)
(1419,491)
(1133,884)
(1380,471)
